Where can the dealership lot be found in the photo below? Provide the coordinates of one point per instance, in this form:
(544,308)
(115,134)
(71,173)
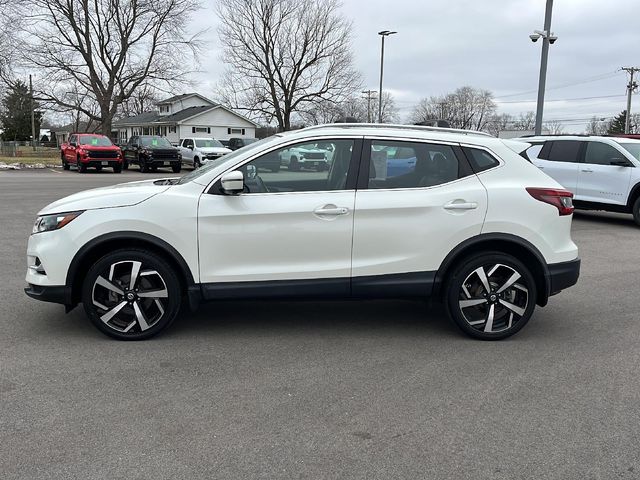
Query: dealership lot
(382,389)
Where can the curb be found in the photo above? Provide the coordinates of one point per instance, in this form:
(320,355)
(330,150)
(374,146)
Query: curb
(27,166)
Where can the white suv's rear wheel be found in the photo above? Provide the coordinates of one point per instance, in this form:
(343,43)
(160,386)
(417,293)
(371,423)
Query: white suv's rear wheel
(491,296)
(131,294)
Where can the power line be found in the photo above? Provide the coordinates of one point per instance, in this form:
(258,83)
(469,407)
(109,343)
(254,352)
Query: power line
(562,99)
(596,78)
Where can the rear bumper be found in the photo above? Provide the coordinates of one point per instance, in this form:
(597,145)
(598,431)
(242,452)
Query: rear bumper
(563,275)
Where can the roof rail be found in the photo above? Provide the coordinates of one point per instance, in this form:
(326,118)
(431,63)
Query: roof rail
(421,128)
(558,135)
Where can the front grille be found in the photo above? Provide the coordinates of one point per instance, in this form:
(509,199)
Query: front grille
(314,156)
(102,153)
(210,156)
(159,155)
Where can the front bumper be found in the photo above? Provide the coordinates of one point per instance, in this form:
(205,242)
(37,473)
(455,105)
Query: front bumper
(563,275)
(53,294)
(108,163)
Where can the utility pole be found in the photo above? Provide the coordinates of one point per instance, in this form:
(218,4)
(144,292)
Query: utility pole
(369,94)
(543,64)
(33,116)
(631,86)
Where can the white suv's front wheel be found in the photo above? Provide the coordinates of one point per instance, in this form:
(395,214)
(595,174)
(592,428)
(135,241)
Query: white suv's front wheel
(491,296)
(131,294)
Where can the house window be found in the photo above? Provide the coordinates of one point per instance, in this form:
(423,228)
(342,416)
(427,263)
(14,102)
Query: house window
(164,109)
(235,131)
(172,129)
(201,129)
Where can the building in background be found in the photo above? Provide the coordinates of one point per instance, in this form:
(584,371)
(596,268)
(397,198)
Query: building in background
(186,115)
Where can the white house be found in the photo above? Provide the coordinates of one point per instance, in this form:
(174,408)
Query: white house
(184,116)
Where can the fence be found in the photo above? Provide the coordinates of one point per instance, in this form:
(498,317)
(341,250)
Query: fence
(26,150)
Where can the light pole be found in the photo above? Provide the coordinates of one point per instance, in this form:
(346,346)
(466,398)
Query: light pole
(383,33)
(547,38)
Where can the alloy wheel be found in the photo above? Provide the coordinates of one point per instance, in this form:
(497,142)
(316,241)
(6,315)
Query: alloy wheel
(129,297)
(493,298)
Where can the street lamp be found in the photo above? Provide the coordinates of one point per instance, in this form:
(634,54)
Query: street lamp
(383,33)
(547,38)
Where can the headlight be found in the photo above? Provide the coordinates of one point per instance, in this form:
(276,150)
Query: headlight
(46,223)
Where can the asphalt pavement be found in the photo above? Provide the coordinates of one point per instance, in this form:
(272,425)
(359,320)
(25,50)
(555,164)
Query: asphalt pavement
(320,390)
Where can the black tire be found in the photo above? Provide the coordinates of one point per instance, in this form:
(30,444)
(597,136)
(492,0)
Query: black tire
(126,323)
(473,319)
(65,165)
(294,166)
(153,169)
(176,167)
(636,211)
(82,167)
(143,165)
(117,168)
(196,163)
(125,165)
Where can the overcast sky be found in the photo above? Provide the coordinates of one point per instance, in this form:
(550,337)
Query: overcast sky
(445,44)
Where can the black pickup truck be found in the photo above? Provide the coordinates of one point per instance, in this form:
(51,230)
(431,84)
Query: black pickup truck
(150,152)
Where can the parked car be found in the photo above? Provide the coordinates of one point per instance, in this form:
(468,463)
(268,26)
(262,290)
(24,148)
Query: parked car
(224,143)
(314,156)
(602,172)
(473,225)
(90,150)
(151,152)
(198,151)
(237,142)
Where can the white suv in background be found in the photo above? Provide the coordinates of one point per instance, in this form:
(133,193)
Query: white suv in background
(602,172)
(198,151)
(469,222)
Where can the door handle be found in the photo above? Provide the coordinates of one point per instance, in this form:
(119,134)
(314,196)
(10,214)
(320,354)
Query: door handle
(460,205)
(331,210)
(587,171)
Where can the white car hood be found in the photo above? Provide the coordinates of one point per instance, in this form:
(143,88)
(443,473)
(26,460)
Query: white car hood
(121,195)
(214,150)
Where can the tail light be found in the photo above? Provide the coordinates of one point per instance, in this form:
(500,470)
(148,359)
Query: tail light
(561,199)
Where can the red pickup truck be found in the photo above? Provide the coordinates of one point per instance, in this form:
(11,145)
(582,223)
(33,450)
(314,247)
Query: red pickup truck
(86,150)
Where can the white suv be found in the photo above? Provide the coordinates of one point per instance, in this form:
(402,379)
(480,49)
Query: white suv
(602,172)
(470,222)
(198,151)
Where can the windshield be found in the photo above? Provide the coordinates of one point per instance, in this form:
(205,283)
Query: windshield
(632,148)
(247,141)
(211,164)
(95,140)
(155,142)
(209,143)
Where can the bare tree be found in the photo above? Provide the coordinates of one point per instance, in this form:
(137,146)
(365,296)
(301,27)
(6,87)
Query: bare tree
(554,127)
(142,100)
(389,108)
(499,123)
(285,56)
(526,121)
(467,108)
(109,48)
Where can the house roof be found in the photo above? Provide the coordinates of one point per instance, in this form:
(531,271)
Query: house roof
(146,117)
(186,113)
(82,126)
(184,96)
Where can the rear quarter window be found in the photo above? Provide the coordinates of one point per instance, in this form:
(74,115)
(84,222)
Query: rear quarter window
(480,160)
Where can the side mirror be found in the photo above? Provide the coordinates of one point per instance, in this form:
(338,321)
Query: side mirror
(73,144)
(190,147)
(619,162)
(232,182)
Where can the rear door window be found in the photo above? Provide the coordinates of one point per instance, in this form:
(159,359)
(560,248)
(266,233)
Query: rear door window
(563,151)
